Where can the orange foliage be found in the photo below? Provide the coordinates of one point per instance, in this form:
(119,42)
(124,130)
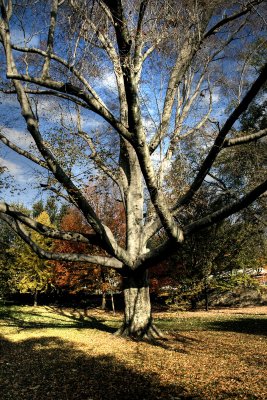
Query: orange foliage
(77,276)
(164,273)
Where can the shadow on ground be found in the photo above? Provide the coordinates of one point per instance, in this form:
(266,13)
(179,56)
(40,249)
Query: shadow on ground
(254,326)
(18,319)
(49,368)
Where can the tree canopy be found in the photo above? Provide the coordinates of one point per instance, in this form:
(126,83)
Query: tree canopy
(120,90)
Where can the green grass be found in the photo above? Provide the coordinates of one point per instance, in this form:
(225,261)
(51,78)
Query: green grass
(26,317)
(256,324)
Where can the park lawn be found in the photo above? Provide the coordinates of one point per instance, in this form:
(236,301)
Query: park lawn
(63,354)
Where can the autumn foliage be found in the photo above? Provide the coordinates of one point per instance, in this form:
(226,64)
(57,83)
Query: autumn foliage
(74,277)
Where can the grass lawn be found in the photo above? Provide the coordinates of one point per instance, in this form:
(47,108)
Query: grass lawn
(63,354)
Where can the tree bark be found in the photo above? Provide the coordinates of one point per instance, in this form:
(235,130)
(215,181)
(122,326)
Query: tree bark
(35,296)
(103,305)
(138,322)
(112,303)
(206,299)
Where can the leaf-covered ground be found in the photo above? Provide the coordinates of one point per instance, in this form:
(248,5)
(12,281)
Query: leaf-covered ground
(48,353)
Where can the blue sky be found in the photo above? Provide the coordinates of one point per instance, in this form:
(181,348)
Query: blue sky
(26,188)
(13,125)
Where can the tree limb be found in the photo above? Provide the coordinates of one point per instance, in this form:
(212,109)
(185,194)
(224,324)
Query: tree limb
(6,209)
(22,152)
(253,137)
(216,27)
(51,93)
(50,39)
(219,141)
(228,210)
(43,254)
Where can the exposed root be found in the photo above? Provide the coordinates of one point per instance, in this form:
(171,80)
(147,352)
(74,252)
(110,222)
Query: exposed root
(149,332)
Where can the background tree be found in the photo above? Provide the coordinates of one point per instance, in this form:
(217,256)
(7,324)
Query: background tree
(7,236)
(166,64)
(37,208)
(87,277)
(55,214)
(28,273)
(70,276)
(212,262)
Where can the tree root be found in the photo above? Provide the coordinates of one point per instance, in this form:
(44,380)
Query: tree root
(149,333)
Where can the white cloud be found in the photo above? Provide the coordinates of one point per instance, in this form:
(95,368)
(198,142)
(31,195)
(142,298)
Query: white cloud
(18,38)
(92,124)
(156,157)
(107,81)
(149,126)
(20,138)
(216,97)
(16,171)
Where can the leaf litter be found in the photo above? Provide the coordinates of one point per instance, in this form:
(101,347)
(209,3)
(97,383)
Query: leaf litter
(215,355)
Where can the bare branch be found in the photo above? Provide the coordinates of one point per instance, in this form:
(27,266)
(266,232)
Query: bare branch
(6,10)
(138,35)
(183,60)
(51,93)
(45,230)
(253,137)
(43,254)
(50,39)
(218,143)
(24,153)
(228,210)
(94,155)
(224,21)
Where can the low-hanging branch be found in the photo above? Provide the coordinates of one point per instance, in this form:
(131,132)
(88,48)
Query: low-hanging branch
(6,209)
(168,246)
(47,255)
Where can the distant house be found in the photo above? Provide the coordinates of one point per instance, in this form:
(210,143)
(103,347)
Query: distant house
(262,276)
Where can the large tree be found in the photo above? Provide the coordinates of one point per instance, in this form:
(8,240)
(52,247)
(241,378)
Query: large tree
(118,88)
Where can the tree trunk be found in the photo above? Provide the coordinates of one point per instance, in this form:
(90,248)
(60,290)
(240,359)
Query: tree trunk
(138,321)
(103,305)
(206,299)
(112,303)
(193,301)
(35,296)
